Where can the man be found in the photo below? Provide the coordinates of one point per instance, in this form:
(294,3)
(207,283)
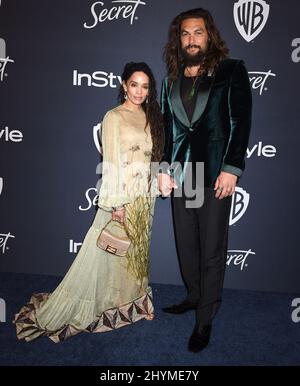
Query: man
(206,103)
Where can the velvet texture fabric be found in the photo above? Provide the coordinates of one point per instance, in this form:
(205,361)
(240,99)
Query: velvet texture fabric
(218,133)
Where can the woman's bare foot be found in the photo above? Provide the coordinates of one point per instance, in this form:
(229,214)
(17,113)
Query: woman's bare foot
(149,317)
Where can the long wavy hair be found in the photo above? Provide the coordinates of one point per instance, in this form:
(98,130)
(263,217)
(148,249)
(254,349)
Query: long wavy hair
(216,50)
(150,106)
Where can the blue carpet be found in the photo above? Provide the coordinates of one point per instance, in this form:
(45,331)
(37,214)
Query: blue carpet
(251,328)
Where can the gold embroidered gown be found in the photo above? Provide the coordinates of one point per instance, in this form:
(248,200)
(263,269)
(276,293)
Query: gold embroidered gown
(101,291)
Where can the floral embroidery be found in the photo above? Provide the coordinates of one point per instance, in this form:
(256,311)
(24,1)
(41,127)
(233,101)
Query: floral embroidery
(135,148)
(137,174)
(147,153)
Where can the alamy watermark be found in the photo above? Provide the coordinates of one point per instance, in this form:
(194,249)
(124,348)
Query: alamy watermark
(132,179)
(296,312)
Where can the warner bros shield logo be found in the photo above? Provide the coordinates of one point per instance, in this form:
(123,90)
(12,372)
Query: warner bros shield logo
(250,17)
(97,134)
(239,205)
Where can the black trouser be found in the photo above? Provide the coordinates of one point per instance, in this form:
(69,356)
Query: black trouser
(201,239)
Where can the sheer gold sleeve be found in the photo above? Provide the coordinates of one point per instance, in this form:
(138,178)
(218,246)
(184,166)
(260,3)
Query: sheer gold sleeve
(112,193)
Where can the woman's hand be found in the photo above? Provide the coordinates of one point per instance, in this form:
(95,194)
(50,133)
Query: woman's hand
(165,184)
(118,214)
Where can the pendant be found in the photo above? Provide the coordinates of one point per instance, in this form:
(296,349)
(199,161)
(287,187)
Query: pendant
(191,93)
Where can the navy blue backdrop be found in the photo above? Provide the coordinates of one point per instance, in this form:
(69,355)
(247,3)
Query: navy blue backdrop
(60,63)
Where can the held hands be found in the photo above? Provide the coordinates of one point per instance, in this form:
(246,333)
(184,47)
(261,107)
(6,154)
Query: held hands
(118,214)
(165,184)
(225,185)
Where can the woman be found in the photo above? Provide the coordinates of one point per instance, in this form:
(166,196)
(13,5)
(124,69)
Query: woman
(102,291)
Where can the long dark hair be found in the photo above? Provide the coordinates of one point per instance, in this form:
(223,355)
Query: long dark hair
(150,106)
(216,51)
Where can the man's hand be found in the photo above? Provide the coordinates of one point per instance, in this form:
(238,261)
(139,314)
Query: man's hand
(165,184)
(225,185)
(119,215)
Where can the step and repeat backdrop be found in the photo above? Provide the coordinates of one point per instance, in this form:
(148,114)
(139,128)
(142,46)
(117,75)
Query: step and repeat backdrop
(60,67)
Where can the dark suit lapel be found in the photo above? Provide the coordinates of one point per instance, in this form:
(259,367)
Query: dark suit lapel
(202,96)
(177,104)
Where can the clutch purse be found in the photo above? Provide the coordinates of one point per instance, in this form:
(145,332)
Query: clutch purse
(112,242)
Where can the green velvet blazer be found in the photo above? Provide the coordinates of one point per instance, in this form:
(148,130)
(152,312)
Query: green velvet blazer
(218,133)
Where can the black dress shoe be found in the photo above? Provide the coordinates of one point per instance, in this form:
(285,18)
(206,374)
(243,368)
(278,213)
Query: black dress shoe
(180,308)
(199,338)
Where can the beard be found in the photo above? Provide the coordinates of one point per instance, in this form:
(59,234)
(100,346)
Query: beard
(192,60)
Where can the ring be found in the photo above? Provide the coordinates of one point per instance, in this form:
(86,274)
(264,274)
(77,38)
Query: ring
(220,189)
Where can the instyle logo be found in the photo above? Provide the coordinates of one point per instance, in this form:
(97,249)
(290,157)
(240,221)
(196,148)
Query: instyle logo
(261,150)
(97,79)
(296,312)
(3,241)
(120,9)
(11,135)
(238,257)
(296,51)
(239,205)
(73,246)
(258,80)
(2,311)
(4,60)
(250,17)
